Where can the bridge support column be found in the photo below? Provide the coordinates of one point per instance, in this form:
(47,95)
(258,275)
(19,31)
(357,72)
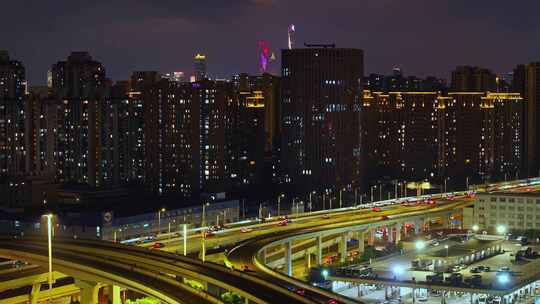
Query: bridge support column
(288,258)
(360,239)
(398,232)
(319,246)
(371,239)
(418,226)
(34,294)
(114,294)
(89,291)
(390,232)
(446,221)
(343,247)
(264,255)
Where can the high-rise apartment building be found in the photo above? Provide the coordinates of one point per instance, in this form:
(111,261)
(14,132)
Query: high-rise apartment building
(473,79)
(12,135)
(254,136)
(463,136)
(199,67)
(532,95)
(84,122)
(321,102)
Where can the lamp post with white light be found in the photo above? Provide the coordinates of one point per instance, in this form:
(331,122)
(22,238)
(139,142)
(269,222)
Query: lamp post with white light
(203,229)
(160,211)
(49,247)
(279,203)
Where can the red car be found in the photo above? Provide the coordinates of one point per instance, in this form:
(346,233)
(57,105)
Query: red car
(332,301)
(384,217)
(157,245)
(376,209)
(429,202)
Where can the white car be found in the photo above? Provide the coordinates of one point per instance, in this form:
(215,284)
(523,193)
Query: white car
(245,229)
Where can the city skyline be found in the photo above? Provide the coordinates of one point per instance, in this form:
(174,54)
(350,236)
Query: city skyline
(150,36)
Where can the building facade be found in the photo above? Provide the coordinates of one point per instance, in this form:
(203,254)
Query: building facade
(321,102)
(12,120)
(83,122)
(459,137)
(514,211)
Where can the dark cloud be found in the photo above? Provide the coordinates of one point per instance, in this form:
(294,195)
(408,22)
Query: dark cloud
(422,36)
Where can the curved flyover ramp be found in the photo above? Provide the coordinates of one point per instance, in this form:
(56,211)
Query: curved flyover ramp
(246,254)
(150,272)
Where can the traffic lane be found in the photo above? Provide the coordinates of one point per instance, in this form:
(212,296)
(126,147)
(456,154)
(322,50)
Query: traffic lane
(271,224)
(106,271)
(167,263)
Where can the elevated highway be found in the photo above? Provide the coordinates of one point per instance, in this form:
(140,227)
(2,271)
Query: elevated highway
(153,273)
(162,275)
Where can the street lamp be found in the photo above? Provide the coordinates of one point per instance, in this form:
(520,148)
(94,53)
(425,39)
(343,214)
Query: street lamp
(475,228)
(279,203)
(160,211)
(372,187)
(398,270)
(340,198)
(49,246)
(446,247)
(501,229)
(310,203)
(420,245)
(203,230)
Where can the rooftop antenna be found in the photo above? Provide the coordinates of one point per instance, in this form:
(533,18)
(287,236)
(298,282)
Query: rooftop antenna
(290,35)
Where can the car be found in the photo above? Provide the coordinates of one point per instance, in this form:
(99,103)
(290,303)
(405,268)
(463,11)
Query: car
(298,291)
(384,217)
(376,209)
(504,269)
(209,233)
(476,270)
(326,216)
(245,229)
(429,202)
(332,301)
(284,222)
(435,243)
(157,245)
(246,268)
(484,268)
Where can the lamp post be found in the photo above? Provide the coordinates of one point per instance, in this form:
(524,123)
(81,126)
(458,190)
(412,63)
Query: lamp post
(279,203)
(203,230)
(323,198)
(340,198)
(49,247)
(355,197)
(372,187)
(446,247)
(310,202)
(159,219)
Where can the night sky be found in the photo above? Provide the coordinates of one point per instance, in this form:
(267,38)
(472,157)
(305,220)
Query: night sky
(424,37)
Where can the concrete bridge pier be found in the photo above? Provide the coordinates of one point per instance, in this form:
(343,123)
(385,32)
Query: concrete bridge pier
(319,247)
(34,294)
(343,247)
(288,258)
(360,238)
(89,291)
(114,294)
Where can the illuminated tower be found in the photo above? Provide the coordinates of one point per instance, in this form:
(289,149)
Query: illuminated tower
(290,36)
(199,65)
(264,56)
